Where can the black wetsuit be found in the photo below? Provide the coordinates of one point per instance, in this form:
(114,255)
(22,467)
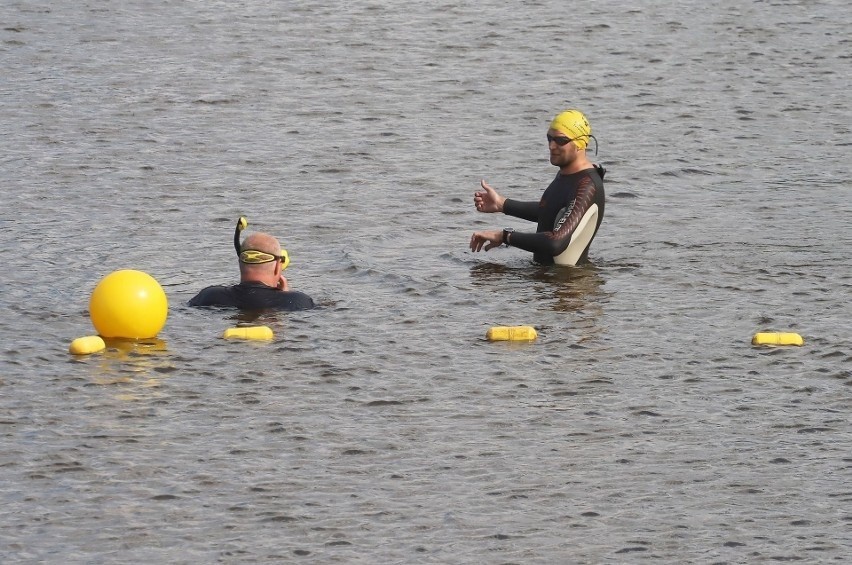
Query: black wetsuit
(564,202)
(252,296)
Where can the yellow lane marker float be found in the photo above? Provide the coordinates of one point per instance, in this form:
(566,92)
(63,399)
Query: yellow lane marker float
(86,345)
(777,338)
(261,333)
(511,333)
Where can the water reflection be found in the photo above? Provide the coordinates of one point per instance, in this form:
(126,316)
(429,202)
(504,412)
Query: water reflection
(140,362)
(236,317)
(255,318)
(567,289)
(576,290)
(571,289)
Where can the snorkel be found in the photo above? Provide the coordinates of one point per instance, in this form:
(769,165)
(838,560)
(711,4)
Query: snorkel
(253,256)
(242,224)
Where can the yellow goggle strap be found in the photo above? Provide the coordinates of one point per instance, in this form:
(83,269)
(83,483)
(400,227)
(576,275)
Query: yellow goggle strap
(255,257)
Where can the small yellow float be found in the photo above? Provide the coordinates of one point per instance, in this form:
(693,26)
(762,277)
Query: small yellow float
(511,333)
(777,338)
(260,333)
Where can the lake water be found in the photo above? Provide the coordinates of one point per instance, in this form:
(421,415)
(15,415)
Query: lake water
(641,426)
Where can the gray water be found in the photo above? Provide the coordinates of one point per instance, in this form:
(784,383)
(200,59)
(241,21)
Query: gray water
(641,426)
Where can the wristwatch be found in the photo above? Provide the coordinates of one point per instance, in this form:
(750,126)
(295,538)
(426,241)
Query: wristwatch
(506,232)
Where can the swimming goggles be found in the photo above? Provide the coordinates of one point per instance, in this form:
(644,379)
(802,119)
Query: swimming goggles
(562,141)
(255,257)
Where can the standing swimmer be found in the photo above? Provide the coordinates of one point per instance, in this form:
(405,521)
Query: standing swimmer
(262,282)
(570,210)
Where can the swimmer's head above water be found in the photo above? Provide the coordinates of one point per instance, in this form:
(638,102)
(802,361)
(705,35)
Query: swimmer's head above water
(574,125)
(258,248)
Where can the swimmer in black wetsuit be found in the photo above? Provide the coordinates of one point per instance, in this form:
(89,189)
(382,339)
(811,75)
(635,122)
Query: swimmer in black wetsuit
(570,210)
(262,284)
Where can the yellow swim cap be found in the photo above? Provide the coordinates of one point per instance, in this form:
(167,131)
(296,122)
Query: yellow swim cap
(575,125)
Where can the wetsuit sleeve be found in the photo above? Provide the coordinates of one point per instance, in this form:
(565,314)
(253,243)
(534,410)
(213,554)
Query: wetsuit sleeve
(523,210)
(552,243)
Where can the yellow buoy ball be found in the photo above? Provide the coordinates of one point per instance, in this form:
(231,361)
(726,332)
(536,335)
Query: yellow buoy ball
(128,304)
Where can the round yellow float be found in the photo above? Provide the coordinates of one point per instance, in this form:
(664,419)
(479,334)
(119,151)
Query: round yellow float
(128,304)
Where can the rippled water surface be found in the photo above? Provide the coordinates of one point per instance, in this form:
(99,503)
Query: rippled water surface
(641,426)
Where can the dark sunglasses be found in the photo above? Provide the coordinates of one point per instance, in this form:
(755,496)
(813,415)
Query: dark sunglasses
(561,141)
